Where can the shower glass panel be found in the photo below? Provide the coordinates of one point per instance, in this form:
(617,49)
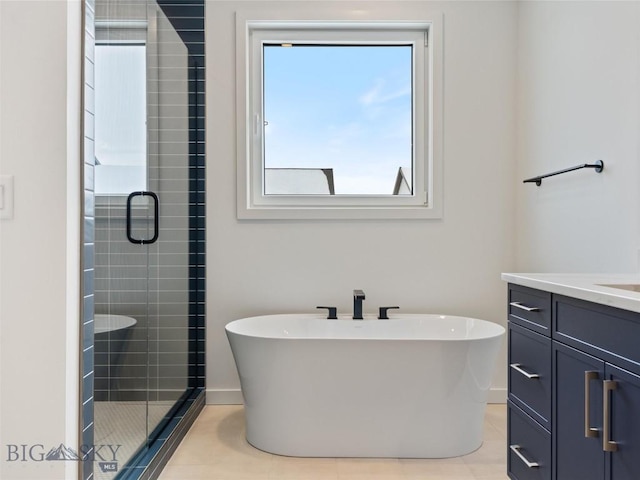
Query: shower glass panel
(168,170)
(142,224)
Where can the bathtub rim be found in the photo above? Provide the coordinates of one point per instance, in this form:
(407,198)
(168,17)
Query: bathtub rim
(495,329)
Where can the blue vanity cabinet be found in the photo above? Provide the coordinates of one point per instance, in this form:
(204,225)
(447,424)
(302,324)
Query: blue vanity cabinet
(574,389)
(593,421)
(529,384)
(529,455)
(624,411)
(579,383)
(607,341)
(529,374)
(577,386)
(530,308)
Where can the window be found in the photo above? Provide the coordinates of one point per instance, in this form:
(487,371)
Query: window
(336,120)
(343,107)
(120,118)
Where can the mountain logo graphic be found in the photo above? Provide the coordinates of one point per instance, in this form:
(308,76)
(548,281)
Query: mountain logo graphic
(62,453)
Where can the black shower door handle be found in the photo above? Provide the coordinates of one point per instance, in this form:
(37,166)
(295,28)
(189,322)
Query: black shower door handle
(143,241)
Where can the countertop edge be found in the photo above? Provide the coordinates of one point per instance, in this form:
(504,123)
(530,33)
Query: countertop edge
(583,286)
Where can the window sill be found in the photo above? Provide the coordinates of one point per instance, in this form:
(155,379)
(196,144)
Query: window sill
(338,213)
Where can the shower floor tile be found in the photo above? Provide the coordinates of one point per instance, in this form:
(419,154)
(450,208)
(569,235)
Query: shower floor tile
(124,424)
(216,449)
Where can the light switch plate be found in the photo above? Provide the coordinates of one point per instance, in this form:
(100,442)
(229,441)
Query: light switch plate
(6,197)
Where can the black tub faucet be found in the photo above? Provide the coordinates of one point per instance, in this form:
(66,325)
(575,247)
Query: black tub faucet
(332,312)
(358,297)
(384,313)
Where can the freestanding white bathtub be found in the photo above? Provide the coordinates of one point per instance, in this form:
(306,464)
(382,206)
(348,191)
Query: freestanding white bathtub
(414,386)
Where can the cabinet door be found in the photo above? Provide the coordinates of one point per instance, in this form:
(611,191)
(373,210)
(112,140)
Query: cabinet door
(576,456)
(624,417)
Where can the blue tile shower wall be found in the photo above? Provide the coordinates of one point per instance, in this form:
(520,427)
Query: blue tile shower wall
(187,17)
(88,264)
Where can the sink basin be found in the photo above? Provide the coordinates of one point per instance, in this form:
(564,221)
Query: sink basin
(624,286)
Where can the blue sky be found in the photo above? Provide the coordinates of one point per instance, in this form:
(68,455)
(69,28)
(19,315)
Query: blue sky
(346,108)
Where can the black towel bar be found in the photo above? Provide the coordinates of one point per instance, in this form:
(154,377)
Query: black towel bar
(598,166)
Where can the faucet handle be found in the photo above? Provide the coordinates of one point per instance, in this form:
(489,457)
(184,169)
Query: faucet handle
(333,313)
(383,313)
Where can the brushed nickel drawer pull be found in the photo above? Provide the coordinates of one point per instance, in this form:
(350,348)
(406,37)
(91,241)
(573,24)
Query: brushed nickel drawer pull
(607,445)
(516,449)
(524,307)
(516,367)
(589,432)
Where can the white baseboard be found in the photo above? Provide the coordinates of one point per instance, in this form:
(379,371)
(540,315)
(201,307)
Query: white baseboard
(234,396)
(224,397)
(497,395)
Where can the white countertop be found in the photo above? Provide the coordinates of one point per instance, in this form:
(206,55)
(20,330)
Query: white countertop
(585,286)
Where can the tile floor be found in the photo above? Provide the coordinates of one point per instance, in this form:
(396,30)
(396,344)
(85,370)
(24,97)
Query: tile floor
(124,424)
(216,449)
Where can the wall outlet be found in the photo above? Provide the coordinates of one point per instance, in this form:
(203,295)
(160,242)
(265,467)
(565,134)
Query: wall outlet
(6,197)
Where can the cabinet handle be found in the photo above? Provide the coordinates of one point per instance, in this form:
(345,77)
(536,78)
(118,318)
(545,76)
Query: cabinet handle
(607,445)
(516,367)
(524,307)
(589,432)
(516,449)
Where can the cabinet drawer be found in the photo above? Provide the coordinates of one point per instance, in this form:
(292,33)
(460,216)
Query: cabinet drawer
(606,332)
(529,454)
(529,374)
(530,308)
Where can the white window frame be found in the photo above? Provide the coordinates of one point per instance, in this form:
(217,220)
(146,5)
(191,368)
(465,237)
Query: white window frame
(253,30)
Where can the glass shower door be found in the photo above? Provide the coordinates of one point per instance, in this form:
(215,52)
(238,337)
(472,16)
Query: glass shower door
(168,157)
(121,267)
(142,223)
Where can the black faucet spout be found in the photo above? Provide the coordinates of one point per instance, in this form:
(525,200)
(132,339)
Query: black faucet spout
(358,297)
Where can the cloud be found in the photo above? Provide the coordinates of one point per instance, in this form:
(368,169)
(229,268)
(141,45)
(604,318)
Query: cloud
(380,93)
